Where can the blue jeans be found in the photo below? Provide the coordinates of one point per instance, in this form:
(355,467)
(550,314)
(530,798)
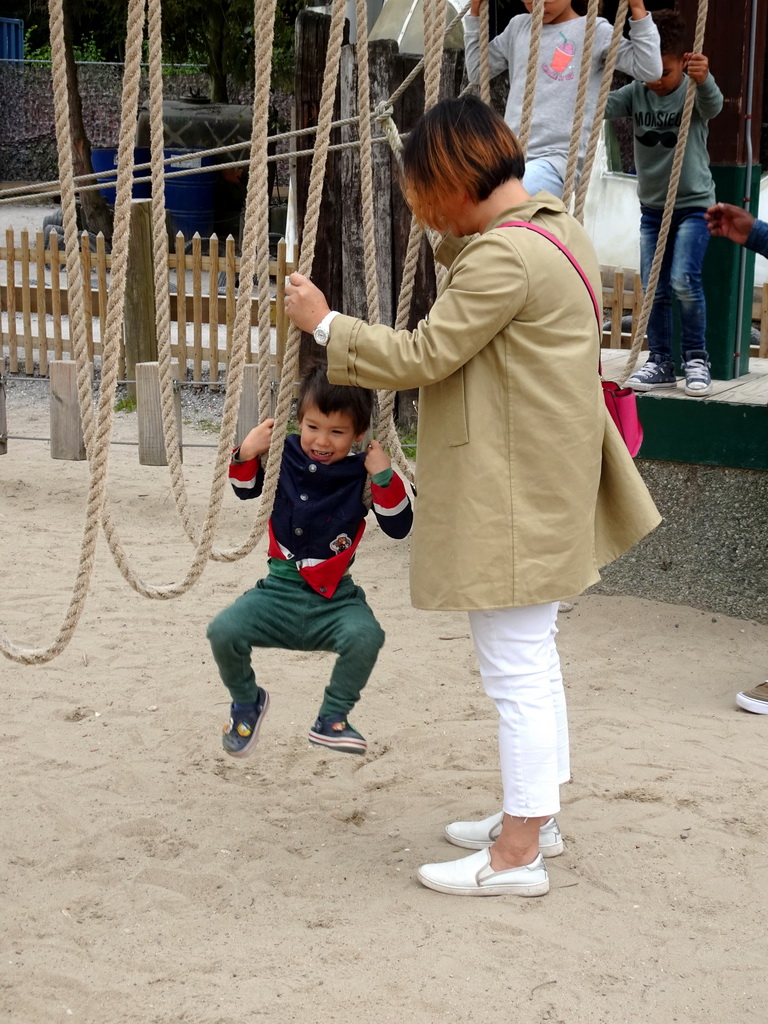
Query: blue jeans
(541,176)
(680,275)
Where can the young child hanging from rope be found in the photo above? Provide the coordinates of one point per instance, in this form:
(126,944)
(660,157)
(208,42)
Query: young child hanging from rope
(656,109)
(557,77)
(308,602)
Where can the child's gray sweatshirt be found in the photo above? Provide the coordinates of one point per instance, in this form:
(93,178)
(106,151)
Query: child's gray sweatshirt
(558,74)
(656,124)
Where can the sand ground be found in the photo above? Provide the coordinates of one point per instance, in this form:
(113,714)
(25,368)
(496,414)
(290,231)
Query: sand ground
(149,879)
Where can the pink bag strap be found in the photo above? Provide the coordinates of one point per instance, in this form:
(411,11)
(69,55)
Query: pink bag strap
(574,263)
(566,252)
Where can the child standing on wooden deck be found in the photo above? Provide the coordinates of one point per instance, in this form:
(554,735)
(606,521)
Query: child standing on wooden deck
(557,77)
(656,109)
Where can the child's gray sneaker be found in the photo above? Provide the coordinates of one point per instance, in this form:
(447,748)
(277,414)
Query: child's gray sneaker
(653,375)
(698,380)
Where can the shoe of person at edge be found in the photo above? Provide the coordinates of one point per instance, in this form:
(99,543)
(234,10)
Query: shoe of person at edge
(478,835)
(474,876)
(754,700)
(335,731)
(698,380)
(242,733)
(653,375)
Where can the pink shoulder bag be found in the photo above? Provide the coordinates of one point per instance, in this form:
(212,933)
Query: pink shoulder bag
(620,402)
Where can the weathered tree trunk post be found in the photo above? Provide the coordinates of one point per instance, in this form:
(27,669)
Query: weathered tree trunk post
(96,214)
(140,334)
(408,110)
(354,301)
(66,427)
(381,57)
(312,32)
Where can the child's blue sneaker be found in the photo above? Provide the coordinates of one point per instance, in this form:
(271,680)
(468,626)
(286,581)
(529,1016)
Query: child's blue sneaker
(242,733)
(653,375)
(334,731)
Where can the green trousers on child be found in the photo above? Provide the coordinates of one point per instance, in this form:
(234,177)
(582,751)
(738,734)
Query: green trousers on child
(290,615)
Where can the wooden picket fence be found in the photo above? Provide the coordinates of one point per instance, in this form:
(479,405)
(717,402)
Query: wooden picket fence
(202,314)
(33,297)
(623,297)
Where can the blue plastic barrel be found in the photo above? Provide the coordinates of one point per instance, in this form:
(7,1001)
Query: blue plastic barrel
(106,160)
(189,199)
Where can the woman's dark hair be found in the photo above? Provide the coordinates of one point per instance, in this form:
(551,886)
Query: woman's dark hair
(671,26)
(315,389)
(458,146)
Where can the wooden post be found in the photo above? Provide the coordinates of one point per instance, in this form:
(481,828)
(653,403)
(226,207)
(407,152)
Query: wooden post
(381,59)
(312,31)
(3,419)
(150,415)
(140,336)
(248,415)
(66,427)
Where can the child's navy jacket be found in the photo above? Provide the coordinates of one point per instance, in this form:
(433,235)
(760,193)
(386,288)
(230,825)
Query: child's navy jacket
(319,516)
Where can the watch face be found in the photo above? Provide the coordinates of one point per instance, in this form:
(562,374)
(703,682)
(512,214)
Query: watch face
(321,335)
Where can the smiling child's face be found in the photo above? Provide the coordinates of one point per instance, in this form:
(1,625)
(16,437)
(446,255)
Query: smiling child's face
(327,438)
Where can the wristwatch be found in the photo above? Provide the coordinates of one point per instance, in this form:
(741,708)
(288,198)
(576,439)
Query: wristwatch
(322,332)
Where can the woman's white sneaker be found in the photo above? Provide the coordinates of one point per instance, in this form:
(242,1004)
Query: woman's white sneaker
(474,876)
(479,835)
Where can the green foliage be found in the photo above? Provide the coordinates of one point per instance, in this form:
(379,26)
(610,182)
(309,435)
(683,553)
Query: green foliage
(216,35)
(407,437)
(125,404)
(86,50)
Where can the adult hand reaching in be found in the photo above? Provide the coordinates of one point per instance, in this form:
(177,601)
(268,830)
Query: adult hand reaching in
(304,302)
(727,221)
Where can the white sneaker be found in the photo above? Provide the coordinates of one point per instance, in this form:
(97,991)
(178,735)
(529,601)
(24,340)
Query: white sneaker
(754,700)
(474,876)
(478,835)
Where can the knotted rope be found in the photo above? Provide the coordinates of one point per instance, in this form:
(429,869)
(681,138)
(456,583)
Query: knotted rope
(529,94)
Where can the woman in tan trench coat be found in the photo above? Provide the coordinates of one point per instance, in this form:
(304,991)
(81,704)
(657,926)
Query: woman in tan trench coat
(524,485)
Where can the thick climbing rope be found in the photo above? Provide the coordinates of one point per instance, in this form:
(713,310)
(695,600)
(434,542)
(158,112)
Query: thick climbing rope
(95,430)
(434,31)
(485,57)
(97,450)
(366,163)
(306,257)
(98,454)
(529,94)
(582,93)
(674,181)
(602,99)
(434,21)
(263,33)
(34,191)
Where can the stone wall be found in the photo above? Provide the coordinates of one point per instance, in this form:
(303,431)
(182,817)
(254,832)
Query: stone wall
(711,551)
(27,133)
